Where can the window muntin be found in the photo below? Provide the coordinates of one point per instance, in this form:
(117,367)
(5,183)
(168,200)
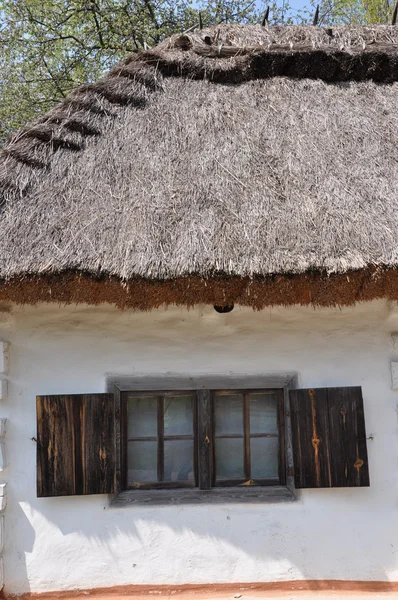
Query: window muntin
(161,440)
(246,435)
(246,438)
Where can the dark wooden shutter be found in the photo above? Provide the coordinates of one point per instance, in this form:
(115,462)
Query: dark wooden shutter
(329,438)
(75,445)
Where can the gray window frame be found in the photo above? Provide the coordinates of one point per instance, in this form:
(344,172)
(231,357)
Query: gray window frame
(216,495)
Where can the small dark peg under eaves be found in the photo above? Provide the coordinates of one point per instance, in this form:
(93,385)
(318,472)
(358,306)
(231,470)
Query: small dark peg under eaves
(224,309)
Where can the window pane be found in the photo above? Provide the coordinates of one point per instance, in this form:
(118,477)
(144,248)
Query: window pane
(264,458)
(142,417)
(229,414)
(142,461)
(263,413)
(178,416)
(229,458)
(178,460)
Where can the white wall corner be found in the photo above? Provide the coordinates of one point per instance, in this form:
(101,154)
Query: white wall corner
(1,573)
(1,534)
(4,358)
(3,496)
(3,462)
(3,389)
(394,375)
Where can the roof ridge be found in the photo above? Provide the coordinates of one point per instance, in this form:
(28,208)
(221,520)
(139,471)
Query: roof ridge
(216,54)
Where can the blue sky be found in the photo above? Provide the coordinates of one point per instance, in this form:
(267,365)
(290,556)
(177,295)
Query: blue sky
(295,4)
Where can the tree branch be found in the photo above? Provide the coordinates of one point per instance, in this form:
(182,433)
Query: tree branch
(97,25)
(53,78)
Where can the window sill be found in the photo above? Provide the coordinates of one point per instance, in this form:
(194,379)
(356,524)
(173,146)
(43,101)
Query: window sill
(265,495)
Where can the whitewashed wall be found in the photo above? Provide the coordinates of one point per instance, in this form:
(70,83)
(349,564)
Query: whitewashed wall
(66,543)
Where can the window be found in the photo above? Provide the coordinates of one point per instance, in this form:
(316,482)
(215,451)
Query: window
(106,443)
(241,433)
(161,440)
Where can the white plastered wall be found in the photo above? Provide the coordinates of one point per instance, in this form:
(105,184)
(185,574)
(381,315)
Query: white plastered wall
(81,542)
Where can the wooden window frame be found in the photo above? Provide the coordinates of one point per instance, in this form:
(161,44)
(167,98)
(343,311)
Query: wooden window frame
(160,439)
(204,440)
(248,481)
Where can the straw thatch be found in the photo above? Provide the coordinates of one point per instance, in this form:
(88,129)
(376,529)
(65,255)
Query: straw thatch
(236,164)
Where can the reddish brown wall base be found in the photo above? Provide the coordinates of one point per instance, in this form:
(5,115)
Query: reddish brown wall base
(213,590)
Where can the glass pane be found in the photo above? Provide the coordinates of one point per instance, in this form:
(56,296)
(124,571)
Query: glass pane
(229,458)
(263,413)
(178,460)
(264,458)
(142,417)
(142,461)
(178,416)
(229,414)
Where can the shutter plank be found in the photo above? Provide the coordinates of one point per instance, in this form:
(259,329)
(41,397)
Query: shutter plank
(98,458)
(75,445)
(55,446)
(349,459)
(329,438)
(310,433)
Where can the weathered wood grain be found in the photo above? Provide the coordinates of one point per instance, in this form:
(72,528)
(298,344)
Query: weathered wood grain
(119,471)
(310,429)
(349,456)
(246,429)
(252,495)
(75,445)
(329,438)
(205,435)
(160,420)
(176,381)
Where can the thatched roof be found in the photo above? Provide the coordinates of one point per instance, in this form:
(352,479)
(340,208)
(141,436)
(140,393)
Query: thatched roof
(236,164)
